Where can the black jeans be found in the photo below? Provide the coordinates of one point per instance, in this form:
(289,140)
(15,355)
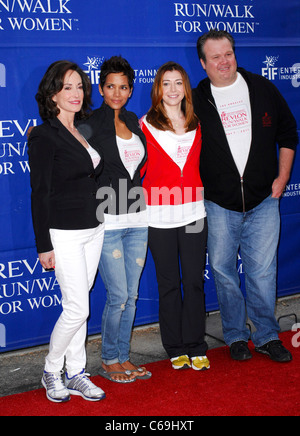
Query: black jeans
(179,256)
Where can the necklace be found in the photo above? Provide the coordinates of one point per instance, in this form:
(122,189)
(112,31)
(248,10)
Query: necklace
(177,121)
(72,129)
(68,125)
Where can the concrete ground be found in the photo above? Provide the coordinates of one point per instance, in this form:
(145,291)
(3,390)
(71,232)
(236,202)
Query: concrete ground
(21,371)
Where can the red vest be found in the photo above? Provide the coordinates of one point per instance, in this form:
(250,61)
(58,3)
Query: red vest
(164,181)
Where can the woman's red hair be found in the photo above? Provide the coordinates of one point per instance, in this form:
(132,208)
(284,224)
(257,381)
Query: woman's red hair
(157,115)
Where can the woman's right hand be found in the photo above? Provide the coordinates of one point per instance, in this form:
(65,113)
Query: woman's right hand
(47,260)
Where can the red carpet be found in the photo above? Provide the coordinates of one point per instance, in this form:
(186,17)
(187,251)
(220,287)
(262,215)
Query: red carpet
(256,387)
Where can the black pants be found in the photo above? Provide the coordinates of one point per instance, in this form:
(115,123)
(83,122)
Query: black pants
(177,254)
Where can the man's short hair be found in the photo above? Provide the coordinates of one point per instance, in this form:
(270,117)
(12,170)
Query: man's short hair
(213,34)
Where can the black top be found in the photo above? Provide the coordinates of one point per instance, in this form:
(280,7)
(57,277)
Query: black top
(63,181)
(100,128)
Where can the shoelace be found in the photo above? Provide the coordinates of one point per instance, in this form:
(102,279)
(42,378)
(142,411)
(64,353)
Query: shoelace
(82,382)
(54,380)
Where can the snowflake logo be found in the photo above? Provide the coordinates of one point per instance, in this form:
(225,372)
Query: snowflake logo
(271,61)
(94,63)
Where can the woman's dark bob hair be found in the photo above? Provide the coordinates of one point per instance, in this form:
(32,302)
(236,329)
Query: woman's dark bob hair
(116,65)
(52,83)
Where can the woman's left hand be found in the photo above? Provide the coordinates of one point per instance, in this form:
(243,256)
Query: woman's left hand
(47,260)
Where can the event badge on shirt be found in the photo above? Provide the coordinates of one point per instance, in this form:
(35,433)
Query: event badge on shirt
(183,149)
(131,152)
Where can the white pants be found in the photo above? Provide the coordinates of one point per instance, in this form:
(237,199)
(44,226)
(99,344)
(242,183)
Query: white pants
(77,255)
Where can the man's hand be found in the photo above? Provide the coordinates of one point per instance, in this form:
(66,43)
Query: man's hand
(278,187)
(286,159)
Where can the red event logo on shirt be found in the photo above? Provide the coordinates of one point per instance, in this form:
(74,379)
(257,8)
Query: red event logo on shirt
(183,151)
(234,119)
(132,156)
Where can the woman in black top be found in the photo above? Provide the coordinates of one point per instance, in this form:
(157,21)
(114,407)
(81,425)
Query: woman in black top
(64,180)
(123,146)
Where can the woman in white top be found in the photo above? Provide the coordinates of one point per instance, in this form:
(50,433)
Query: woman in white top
(177,218)
(123,146)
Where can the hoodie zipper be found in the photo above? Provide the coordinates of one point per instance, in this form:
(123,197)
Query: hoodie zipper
(243,194)
(171,160)
(213,105)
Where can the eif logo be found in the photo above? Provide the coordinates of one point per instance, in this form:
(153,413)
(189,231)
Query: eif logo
(2,76)
(93,65)
(2,336)
(270,72)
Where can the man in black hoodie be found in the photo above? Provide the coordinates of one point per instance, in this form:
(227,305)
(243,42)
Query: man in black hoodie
(243,118)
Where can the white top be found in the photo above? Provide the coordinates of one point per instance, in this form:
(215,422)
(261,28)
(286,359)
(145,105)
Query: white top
(180,215)
(131,153)
(171,216)
(233,104)
(176,146)
(126,221)
(94,156)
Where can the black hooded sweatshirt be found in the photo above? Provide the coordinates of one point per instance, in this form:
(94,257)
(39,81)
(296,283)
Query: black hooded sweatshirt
(272,124)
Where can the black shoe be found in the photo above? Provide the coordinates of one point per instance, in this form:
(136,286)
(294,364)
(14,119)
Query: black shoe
(240,351)
(276,351)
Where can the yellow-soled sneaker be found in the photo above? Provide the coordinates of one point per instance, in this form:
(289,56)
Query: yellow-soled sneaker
(200,363)
(181,362)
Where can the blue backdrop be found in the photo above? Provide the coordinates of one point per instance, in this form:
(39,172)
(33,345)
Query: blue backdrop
(34,33)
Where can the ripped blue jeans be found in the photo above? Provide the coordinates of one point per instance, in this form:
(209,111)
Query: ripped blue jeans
(121,265)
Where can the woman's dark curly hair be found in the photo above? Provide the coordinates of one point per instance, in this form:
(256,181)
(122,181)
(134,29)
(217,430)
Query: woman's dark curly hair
(116,64)
(52,83)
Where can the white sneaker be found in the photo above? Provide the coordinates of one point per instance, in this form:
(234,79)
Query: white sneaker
(82,386)
(55,388)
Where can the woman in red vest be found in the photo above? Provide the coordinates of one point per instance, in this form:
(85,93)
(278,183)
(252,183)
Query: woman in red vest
(177,217)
